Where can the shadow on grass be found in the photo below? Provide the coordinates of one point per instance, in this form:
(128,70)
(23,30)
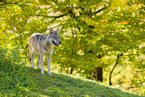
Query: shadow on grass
(19,80)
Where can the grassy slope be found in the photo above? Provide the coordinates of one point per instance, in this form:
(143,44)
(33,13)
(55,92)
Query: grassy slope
(16,80)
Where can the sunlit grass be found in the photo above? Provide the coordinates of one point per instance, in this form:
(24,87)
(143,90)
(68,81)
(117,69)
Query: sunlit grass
(20,79)
(30,82)
(121,77)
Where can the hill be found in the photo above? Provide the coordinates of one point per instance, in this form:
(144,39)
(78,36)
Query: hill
(19,80)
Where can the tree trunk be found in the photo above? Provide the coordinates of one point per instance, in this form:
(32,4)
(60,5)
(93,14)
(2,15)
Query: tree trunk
(99,74)
(71,71)
(118,56)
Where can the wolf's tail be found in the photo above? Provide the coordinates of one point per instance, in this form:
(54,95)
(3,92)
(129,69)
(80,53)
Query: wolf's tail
(30,48)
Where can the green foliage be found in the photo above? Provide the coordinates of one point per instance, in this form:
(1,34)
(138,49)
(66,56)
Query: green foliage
(106,27)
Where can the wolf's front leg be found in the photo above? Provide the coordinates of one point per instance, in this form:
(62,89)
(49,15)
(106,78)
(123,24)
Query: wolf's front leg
(42,68)
(48,60)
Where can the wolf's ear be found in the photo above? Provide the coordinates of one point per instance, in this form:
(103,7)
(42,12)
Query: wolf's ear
(58,30)
(51,31)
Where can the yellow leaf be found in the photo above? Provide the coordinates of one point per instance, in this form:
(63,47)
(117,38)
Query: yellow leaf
(125,2)
(125,22)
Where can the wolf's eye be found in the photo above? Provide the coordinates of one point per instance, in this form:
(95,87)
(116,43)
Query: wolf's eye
(54,36)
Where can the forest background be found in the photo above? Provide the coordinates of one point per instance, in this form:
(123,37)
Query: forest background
(101,39)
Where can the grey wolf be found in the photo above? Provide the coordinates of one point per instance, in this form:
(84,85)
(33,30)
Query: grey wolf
(43,43)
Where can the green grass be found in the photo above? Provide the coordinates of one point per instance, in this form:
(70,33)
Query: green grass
(20,80)
(17,79)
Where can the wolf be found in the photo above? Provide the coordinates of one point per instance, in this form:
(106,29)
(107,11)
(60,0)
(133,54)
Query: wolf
(41,44)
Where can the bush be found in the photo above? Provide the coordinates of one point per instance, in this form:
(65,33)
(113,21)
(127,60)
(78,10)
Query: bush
(13,76)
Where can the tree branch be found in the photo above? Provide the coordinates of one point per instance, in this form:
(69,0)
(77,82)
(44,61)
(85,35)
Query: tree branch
(58,17)
(135,85)
(52,16)
(5,3)
(118,56)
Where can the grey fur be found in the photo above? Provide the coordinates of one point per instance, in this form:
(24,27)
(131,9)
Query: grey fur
(43,43)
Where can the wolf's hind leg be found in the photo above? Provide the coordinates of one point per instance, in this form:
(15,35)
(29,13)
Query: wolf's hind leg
(41,59)
(38,61)
(32,60)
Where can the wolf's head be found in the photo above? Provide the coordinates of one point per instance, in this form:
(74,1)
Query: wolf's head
(55,37)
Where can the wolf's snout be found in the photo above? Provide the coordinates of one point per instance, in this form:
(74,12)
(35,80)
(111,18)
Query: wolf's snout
(59,42)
